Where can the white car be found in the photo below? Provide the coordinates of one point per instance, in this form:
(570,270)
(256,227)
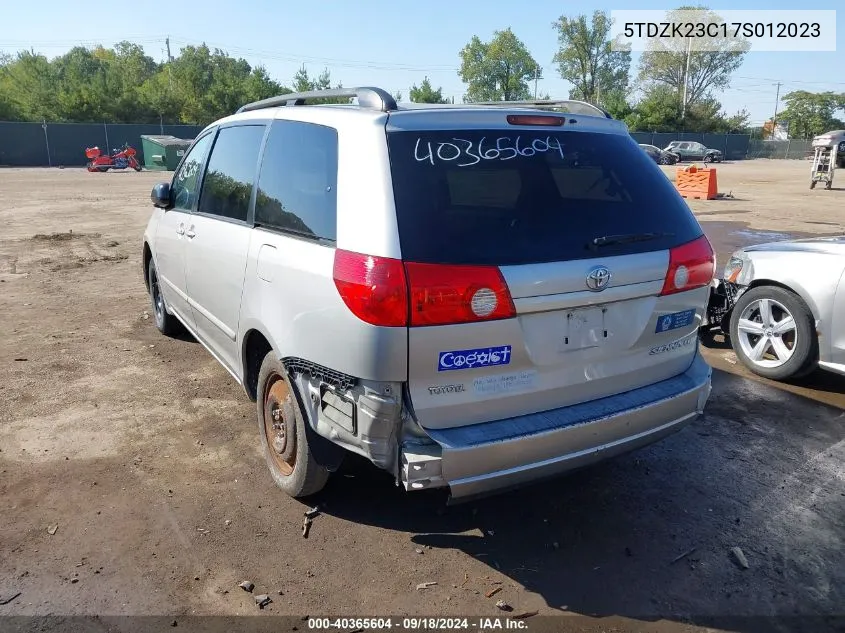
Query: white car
(783,305)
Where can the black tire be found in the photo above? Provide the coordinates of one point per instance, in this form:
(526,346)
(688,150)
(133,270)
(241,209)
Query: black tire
(166,323)
(812,184)
(665,160)
(805,346)
(708,158)
(291,462)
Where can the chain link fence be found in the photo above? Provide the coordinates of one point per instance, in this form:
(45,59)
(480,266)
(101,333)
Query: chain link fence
(63,144)
(793,149)
(732,146)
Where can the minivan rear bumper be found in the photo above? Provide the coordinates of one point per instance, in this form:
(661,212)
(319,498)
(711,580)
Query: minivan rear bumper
(491,457)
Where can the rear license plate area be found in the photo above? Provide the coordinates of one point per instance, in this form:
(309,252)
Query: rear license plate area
(584,328)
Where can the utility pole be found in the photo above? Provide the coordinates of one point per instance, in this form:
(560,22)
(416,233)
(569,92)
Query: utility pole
(686,80)
(536,77)
(169,60)
(775,117)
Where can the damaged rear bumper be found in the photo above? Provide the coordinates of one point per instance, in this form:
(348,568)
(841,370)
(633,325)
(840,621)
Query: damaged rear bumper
(485,458)
(723,296)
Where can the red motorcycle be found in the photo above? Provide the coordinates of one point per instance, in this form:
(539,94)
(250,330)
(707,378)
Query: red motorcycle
(118,159)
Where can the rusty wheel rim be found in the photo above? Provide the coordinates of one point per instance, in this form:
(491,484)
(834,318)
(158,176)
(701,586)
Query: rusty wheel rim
(280,424)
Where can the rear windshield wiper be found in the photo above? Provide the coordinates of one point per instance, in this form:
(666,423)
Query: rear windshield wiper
(625,238)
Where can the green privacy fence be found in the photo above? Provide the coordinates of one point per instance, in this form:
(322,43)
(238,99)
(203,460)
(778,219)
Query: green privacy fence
(63,144)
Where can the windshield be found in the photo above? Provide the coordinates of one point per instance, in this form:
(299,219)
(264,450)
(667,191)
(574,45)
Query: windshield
(508,197)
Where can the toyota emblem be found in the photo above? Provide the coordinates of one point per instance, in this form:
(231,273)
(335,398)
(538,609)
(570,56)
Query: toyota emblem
(598,278)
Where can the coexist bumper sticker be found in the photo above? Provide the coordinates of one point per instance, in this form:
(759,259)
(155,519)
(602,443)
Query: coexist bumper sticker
(675,320)
(474,358)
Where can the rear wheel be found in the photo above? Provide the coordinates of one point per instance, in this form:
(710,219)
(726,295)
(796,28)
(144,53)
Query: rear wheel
(812,184)
(283,435)
(772,333)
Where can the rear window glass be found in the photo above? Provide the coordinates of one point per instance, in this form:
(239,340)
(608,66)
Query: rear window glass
(518,197)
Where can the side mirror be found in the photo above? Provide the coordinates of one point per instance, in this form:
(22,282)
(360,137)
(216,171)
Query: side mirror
(160,195)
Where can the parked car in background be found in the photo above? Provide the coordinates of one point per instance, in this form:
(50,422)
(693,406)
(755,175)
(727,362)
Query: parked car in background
(550,321)
(783,306)
(690,150)
(659,156)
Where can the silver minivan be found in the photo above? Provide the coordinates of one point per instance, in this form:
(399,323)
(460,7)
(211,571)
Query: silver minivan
(472,297)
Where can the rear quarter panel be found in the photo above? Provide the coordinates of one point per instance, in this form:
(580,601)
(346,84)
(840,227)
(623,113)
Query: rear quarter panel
(291,298)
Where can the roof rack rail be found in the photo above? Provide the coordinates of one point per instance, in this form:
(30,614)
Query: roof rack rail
(573,106)
(368,97)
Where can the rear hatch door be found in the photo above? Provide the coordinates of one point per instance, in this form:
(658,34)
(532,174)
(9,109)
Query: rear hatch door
(570,233)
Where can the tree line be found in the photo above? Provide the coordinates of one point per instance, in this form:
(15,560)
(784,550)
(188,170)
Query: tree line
(672,89)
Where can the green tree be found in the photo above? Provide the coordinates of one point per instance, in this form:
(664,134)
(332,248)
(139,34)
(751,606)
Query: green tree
(498,70)
(8,111)
(586,60)
(424,93)
(738,123)
(123,84)
(30,85)
(302,82)
(811,113)
(665,63)
(658,111)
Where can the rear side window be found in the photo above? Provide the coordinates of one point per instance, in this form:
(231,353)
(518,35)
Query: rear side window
(297,185)
(227,186)
(509,197)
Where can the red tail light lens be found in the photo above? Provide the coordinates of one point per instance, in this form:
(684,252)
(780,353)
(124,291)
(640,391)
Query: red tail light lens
(381,291)
(442,295)
(691,265)
(373,288)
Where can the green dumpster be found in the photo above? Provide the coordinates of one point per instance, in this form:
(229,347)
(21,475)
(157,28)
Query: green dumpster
(163,152)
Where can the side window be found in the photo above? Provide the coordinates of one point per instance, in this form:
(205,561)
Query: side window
(227,186)
(297,186)
(183,190)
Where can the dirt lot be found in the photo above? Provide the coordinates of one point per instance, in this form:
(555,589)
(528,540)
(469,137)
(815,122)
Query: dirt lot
(131,480)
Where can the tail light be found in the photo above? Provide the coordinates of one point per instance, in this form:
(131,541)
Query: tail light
(440,295)
(385,292)
(373,288)
(691,265)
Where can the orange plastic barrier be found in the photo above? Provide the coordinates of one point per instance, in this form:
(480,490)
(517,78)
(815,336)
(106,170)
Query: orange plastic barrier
(696,183)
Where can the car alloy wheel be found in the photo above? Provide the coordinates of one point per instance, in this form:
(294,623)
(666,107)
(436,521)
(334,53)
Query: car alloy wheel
(767,333)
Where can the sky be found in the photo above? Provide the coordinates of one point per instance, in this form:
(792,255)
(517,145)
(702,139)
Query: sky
(393,45)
